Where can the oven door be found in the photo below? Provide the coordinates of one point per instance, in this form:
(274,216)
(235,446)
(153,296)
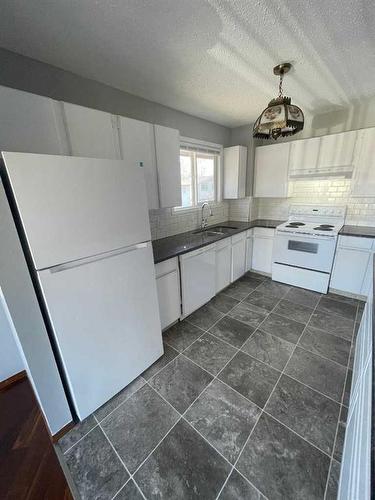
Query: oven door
(301,251)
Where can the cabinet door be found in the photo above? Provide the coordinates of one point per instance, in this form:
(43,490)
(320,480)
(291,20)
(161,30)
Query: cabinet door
(363,181)
(91,133)
(271,171)
(137,145)
(169,298)
(235,160)
(262,254)
(223,267)
(238,259)
(304,156)
(167,147)
(337,150)
(249,253)
(367,282)
(349,270)
(30,123)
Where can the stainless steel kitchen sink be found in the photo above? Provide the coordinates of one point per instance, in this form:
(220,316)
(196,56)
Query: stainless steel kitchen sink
(223,229)
(208,232)
(215,230)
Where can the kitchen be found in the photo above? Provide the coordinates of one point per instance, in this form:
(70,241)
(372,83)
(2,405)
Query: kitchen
(131,210)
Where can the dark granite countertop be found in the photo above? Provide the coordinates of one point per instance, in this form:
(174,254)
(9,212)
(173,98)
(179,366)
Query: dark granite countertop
(178,244)
(361,231)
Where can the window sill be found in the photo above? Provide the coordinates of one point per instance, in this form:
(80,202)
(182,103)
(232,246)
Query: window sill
(194,208)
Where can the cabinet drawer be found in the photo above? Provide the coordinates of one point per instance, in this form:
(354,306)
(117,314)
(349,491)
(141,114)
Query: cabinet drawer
(264,231)
(356,242)
(223,243)
(239,237)
(166,267)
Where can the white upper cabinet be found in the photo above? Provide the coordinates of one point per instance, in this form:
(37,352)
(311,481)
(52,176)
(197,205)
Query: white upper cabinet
(137,145)
(304,156)
(322,156)
(271,171)
(235,159)
(337,150)
(363,181)
(30,123)
(167,147)
(91,133)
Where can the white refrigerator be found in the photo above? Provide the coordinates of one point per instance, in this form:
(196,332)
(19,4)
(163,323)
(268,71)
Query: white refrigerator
(84,227)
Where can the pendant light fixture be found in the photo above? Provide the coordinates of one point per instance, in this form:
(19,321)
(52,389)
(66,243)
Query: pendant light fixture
(280,118)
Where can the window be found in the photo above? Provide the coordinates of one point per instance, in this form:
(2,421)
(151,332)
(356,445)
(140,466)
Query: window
(198,177)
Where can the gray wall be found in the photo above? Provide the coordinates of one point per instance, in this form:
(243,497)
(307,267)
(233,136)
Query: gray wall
(39,78)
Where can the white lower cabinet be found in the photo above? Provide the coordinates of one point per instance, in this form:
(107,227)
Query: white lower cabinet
(352,259)
(249,250)
(223,263)
(238,255)
(349,270)
(168,287)
(262,249)
(198,278)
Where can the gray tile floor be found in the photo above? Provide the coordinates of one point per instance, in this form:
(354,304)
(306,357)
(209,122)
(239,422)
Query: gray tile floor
(249,401)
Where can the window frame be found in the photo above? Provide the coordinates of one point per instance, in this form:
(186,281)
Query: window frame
(192,147)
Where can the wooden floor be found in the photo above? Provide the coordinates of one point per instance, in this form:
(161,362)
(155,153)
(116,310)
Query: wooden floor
(29,468)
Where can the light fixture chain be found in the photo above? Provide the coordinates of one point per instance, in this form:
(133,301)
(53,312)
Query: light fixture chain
(281,84)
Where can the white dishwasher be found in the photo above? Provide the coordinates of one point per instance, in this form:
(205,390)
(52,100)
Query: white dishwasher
(198,270)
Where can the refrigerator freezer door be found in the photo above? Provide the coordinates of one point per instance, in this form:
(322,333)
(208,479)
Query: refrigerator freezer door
(71,208)
(105,317)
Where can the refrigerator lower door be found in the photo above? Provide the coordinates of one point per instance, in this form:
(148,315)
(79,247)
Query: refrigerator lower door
(105,317)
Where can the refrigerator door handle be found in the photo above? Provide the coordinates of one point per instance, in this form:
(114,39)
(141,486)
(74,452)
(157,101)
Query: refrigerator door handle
(95,258)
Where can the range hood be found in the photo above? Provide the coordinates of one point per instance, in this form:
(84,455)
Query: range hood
(323,157)
(321,172)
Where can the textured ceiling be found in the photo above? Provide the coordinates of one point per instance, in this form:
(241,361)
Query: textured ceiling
(209,58)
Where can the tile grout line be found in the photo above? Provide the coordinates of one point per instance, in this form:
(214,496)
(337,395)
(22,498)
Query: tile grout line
(256,423)
(261,413)
(120,404)
(321,356)
(80,439)
(238,349)
(131,475)
(182,416)
(118,456)
(203,333)
(108,415)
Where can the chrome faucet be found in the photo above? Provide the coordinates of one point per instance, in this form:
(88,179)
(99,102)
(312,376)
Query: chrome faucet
(204,219)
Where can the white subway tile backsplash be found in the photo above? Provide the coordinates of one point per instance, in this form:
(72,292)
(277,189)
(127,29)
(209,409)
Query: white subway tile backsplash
(167,222)
(360,211)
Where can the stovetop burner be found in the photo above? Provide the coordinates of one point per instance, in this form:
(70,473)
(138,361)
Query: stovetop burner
(295,224)
(325,227)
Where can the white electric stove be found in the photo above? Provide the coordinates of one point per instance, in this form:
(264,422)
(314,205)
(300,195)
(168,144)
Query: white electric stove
(304,246)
